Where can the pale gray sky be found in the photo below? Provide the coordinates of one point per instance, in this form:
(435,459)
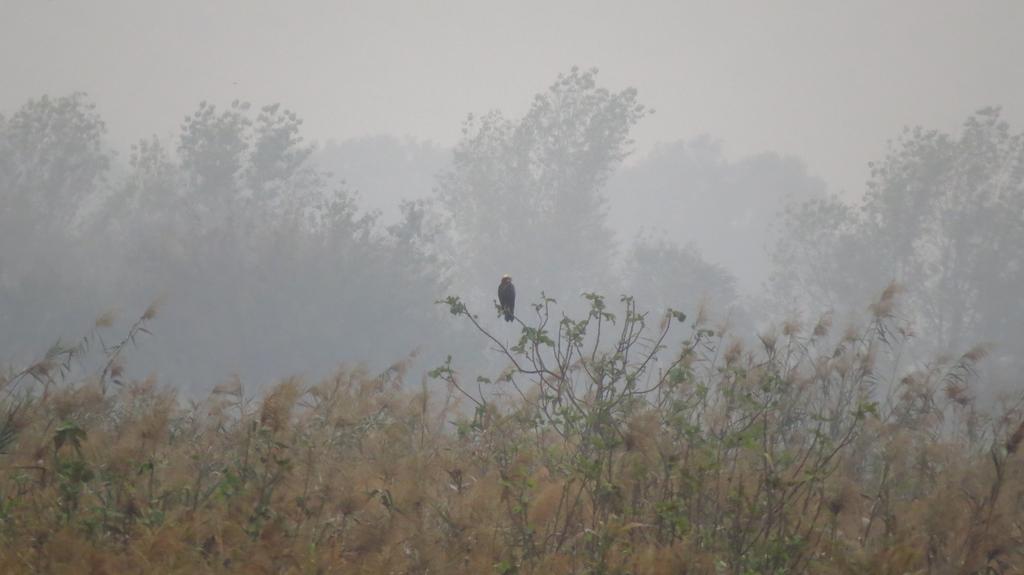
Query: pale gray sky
(827,81)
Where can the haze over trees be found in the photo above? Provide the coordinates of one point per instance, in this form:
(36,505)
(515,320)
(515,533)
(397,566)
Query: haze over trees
(384,171)
(528,194)
(53,162)
(266,262)
(272,261)
(943,215)
(690,193)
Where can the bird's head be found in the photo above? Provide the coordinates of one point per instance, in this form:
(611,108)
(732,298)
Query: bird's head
(506,279)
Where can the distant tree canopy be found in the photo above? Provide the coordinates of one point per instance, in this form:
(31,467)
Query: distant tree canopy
(690,193)
(268,265)
(525,196)
(53,165)
(53,159)
(278,252)
(943,216)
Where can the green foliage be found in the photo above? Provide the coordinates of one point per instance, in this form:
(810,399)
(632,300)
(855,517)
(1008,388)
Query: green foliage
(455,305)
(68,433)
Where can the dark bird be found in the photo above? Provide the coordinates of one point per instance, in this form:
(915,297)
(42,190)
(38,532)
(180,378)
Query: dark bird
(507,297)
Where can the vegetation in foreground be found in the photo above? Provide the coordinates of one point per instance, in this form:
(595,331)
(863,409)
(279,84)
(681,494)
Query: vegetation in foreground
(602,449)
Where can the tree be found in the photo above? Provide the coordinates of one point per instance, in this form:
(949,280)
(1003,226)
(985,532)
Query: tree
(943,216)
(819,258)
(53,164)
(945,213)
(213,147)
(525,196)
(54,159)
(278,151)
(269,264)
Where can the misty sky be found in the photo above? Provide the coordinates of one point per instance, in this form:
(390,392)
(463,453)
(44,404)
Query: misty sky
(827,81)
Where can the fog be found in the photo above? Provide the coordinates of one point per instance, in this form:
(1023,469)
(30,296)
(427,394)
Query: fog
(298,184)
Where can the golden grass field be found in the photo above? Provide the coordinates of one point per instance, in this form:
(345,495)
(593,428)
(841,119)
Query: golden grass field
(768,460)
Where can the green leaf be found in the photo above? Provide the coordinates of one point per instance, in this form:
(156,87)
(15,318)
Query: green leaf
(68,433)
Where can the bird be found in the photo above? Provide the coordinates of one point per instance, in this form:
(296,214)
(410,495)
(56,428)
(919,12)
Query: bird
(507,297)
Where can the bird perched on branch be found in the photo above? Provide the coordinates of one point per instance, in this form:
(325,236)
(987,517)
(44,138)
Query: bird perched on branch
(507,297)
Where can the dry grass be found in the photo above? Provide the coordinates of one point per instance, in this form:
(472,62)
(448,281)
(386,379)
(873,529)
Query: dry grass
(774,460)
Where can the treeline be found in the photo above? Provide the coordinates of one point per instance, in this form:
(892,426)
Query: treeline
(264,260)
(270,265)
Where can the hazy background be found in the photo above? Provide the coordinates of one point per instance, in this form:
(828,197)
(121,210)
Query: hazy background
(758,107)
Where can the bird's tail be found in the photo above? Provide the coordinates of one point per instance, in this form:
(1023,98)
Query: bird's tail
(508,315)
